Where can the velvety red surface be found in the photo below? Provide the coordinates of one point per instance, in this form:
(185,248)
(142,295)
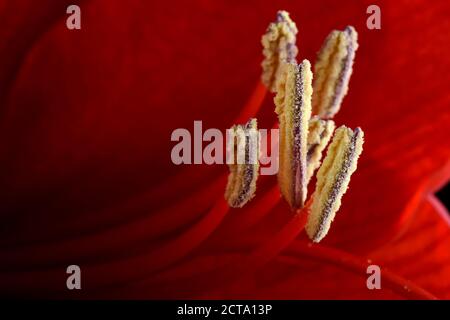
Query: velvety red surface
(86,176)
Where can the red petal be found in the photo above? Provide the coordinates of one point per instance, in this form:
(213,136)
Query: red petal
(421,254)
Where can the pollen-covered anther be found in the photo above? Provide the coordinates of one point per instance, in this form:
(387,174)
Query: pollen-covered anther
(333,178)
(278,47)
(293,106)
(332,71)
(320,132)
(243,151)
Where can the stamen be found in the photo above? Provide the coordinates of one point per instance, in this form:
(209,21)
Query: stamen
(278,48)
(319,135)
(242,179)
(333,178)
(293,106)
(332,71)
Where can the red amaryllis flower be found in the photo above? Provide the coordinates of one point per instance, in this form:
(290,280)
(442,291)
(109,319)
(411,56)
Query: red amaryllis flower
(87,179)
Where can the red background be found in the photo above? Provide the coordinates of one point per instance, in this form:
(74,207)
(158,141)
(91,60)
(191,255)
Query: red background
(85,170)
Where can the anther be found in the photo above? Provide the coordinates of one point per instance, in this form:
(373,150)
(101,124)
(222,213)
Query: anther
(333,178)
(293,106)
(278,47)
(332,71)
(241,186)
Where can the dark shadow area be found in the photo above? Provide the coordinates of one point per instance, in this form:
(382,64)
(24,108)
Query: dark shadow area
(444,195)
